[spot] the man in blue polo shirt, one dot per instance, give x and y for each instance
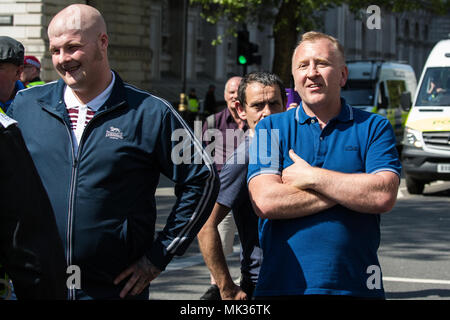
(319, 177)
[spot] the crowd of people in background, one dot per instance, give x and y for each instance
(81, 157)
(16, 71)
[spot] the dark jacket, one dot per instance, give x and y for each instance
(103, 198)
(31, 250)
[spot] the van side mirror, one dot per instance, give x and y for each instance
(405, 100)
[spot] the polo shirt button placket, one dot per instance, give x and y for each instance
(322, 150)
(316, 131)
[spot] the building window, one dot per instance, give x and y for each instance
(200, 47)
(166, 51)
(165, 25)
(230, 52)
(165, 48)
(406, 29)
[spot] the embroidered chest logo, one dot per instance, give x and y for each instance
(351, 148)
(114, 133)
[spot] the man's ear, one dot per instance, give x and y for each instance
(103, 41)
(344, 74)
(19, 72)
(240, 110)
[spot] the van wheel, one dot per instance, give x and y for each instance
(414, 186)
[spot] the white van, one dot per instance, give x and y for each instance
(426, 143)
(381, 87)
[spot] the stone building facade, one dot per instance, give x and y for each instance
(146, 40)
(127, 23)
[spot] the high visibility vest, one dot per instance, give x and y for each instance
(5, 288)
(35, 83)
(192, 105)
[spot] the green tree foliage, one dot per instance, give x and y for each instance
(289, 18)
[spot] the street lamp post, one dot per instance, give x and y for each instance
(182, 106)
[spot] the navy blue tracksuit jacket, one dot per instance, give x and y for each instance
(103, 197)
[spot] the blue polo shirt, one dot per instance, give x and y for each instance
(329, 252)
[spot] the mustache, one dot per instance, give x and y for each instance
(69, 66)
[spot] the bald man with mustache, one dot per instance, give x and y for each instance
(99, 146)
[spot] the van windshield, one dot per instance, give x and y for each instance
(358, 93)
(435, 88)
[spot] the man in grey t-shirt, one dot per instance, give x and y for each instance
(260, 94)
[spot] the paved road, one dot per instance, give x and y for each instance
(415, 245)
(414, 251)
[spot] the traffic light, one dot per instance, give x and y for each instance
(246, 50)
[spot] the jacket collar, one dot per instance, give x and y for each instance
(53, 101)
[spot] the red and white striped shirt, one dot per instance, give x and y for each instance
(73, 115)
(80, 114)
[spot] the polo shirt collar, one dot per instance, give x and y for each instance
(300, 114)
(345, 115)
(96, 103)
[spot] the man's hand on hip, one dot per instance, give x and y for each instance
(142, 273)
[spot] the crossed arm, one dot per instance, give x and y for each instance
(303, 190)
